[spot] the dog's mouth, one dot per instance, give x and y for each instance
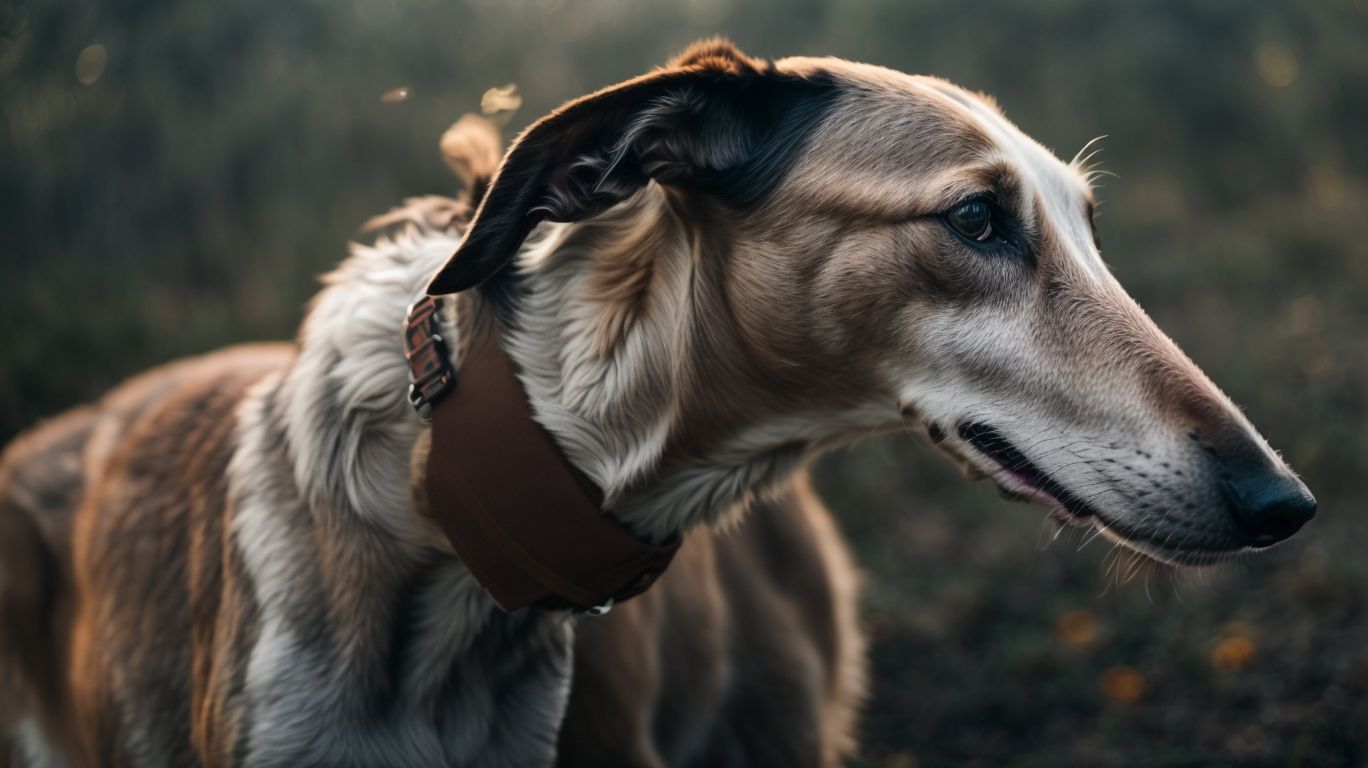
(1020, 478)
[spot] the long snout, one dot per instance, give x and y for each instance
(1264, 499)
(1181, 471)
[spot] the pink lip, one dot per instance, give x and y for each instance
(1017, 484)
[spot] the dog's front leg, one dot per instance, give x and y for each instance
(512, 694)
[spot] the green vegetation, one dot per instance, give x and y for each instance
(173, 175)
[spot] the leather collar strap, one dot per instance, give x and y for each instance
(528, 525)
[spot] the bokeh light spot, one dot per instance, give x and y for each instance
(1122, 684)
(1317, 361)
(1076, 628)
(90, 64)
(1305, 316)
(1232, 654)
(1328, 187)
(900, 760)
(1276, 64)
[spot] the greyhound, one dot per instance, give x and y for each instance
(705, 276)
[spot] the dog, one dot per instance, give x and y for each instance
(705, 276)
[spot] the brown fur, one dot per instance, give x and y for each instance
(44, 475)
(684, 675)
(745, 653)
(40, 485)
(166, 476)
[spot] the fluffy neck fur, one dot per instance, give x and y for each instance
(396, 656)
(628, 351)
(632, 361)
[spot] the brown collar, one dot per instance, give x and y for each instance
(529, 526)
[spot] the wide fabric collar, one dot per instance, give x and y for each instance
(529, 526)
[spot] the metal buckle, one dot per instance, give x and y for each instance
(601, 609)
(420, 404)
(424, 329)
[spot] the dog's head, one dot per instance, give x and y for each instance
(883, 249)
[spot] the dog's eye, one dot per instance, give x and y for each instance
(973, 220)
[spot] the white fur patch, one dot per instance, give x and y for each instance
(33, 748)
(351, 429)
(332, 438)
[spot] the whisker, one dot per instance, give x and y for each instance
(1094, 533)
(1085, 147)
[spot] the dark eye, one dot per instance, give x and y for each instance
(973, 220)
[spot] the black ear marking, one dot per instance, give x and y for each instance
(715, 121)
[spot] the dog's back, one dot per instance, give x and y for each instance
(44, 474)
(40, 486)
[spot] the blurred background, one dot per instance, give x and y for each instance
(173, 176)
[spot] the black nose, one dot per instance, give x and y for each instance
(1270, 503)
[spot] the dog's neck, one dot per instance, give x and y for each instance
(631, 353)
(634, 361)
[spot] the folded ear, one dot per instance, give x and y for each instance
(714, 120)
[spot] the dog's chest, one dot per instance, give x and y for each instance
(463, 686)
